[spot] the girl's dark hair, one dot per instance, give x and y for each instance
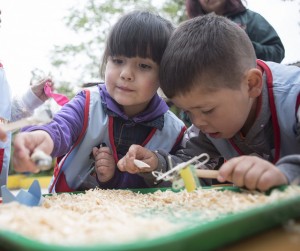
(232, 7)
(138, 33)
(202, 50)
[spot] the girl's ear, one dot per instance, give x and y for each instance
(255, 83)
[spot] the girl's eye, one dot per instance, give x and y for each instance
(145, 66)
(117, 60)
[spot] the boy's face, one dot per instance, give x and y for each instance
(219, 114)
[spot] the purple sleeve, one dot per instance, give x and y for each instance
(66, 125)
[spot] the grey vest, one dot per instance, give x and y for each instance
(73, 168)
(284, 94)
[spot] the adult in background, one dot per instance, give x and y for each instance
(266, 42)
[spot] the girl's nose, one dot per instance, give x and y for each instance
(126, 74)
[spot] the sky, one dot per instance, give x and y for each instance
(30, 29)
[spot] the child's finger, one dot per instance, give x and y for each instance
(21, 159)
(105, 149)
(127, 164)
(132, 151)
(122, 164)
(95, 151)
(226, 170)
(239, 172)
(103, 162)
(270, 178)
(3, 135)
(252, 177)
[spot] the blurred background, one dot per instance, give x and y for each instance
(65, 39)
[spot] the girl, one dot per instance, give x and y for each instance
(125, 110)
(264, 38)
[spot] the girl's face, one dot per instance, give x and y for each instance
(216, 6)
(131, 82)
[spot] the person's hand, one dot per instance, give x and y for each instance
(105, 165)
(3, 136)
(251, 172)
(38, 89)
(25, 143)
(140, 153)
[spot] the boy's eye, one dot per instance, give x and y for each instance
(208, 111)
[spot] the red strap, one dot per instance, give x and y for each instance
(149, 136)
(297, 104)
(180, 136)
(1, 158)
(62, 184)
(275, 123)
(112, 143)
(111, 138)
(1, 65)
(273, 112)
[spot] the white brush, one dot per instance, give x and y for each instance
(140, 164)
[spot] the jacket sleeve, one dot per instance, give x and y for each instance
(24, 105)
(290, 164)
(267, 44)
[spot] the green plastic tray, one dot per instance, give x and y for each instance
(209, 236)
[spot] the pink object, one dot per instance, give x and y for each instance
(59, 98)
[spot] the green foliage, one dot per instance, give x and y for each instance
(175, 10)
(91, 21)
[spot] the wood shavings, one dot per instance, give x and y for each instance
(122, 216)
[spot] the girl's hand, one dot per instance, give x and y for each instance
(105, 165)
(140, 153)
(251, 172)
(25, 143)
(3, 136)
(38, 89)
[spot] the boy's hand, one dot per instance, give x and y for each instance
(251, 172)
(25, 143)
(38, 89)
(105, 165)
(140, 153)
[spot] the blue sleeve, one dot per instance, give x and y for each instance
(5, 97)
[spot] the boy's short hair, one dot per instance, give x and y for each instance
(138, 33)
(203, 47)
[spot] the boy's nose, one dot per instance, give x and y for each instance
(198, 121)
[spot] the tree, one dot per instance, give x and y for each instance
(92, 21)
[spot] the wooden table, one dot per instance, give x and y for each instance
(276, 239)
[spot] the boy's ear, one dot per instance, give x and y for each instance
(255, 83)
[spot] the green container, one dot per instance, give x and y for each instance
(207, 236)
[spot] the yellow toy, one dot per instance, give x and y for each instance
(186, 174)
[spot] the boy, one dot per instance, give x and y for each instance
(243, 110)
